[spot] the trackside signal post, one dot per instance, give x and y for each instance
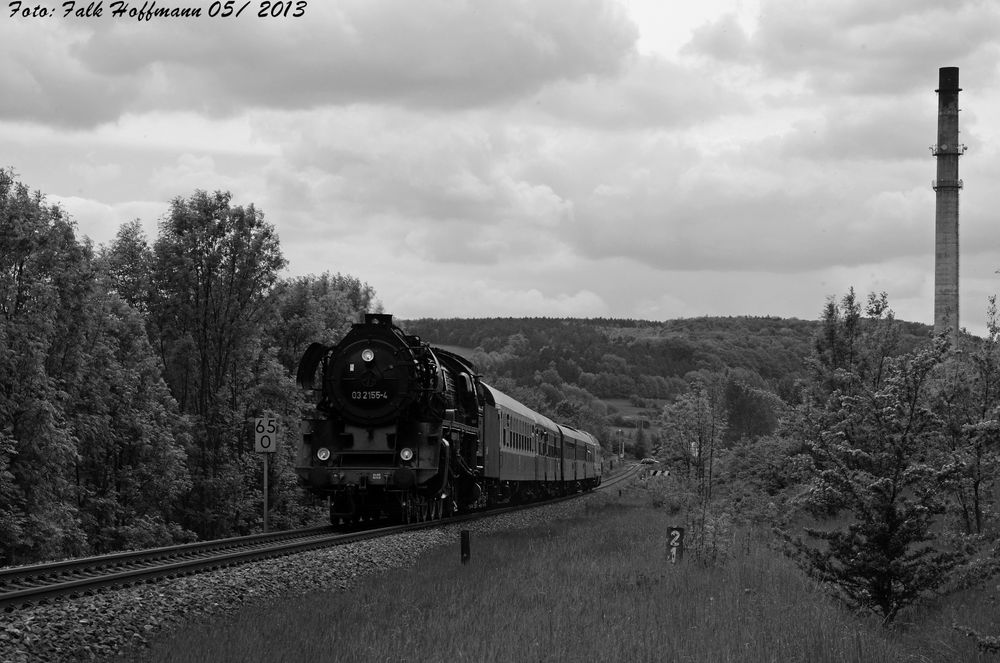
(265, 441)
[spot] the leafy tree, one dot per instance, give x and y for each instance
(967, 396)
(751, 407)
(127, 264)
(131, 467)
(851, 351)
(640, 448)
(313, 309)
(214, 265)
(44, 285)
(695, 424)
(872, 439)
(763, 475)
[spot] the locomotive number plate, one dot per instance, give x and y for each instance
(376, 476)
(370, 395)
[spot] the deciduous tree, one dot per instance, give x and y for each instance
(44, 282)
(873, 438)
(214, 264)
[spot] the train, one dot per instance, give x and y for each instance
(397, 429)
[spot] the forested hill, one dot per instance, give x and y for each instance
(605, 374)
(616, 358)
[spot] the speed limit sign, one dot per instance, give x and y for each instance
(265, 435)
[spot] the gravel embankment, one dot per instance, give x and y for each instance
(99, 627)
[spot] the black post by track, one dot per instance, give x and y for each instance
(466, 554)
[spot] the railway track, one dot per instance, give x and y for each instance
(25, 585)
(37, 583)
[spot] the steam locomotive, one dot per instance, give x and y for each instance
(407, 431)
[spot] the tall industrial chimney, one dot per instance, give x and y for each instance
(947, 150)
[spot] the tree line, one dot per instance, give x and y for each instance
(129, 372)
(607, 375)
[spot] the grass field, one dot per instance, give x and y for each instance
(594, 588)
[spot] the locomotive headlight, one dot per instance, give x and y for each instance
(406, 454)
(323, 453)
(367, 355)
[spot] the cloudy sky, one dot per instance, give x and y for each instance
(650, 159)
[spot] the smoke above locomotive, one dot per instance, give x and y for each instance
(403, 430)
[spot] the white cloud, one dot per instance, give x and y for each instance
(100, 221)
(482, 298)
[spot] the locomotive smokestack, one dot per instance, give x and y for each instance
(947, 150)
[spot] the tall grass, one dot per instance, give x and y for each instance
(594, 588)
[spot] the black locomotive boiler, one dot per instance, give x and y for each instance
(404, 430)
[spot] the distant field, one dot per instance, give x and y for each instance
(632, 414)
(627, 410)
(593, 588)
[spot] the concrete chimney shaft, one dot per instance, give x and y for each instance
(947, 150)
